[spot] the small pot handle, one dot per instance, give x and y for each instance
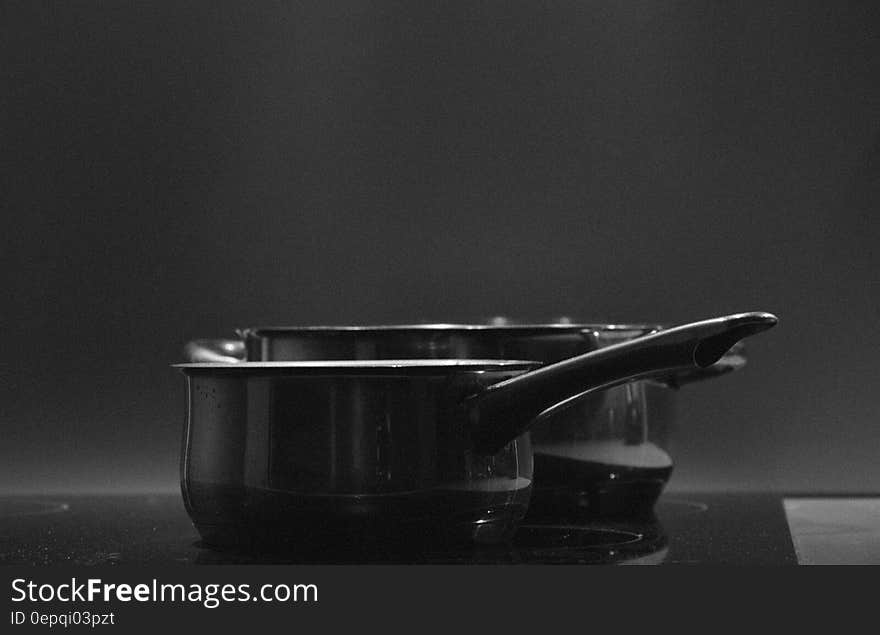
(215, 350)
(505, 410)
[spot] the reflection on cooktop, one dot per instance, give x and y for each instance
(89, 530)
(642, 543)
(599, 542)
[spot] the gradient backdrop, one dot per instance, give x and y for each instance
(171, 170)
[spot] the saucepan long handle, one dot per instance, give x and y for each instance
(505, 410)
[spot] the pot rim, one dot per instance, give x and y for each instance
(358, 367)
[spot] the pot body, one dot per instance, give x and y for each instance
(307, 456)
(605, 456)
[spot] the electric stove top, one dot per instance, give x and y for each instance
(694, 529)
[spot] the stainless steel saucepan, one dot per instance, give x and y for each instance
(356, 449)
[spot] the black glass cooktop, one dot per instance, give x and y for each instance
(154, 529)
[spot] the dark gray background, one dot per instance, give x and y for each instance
(171, 170)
